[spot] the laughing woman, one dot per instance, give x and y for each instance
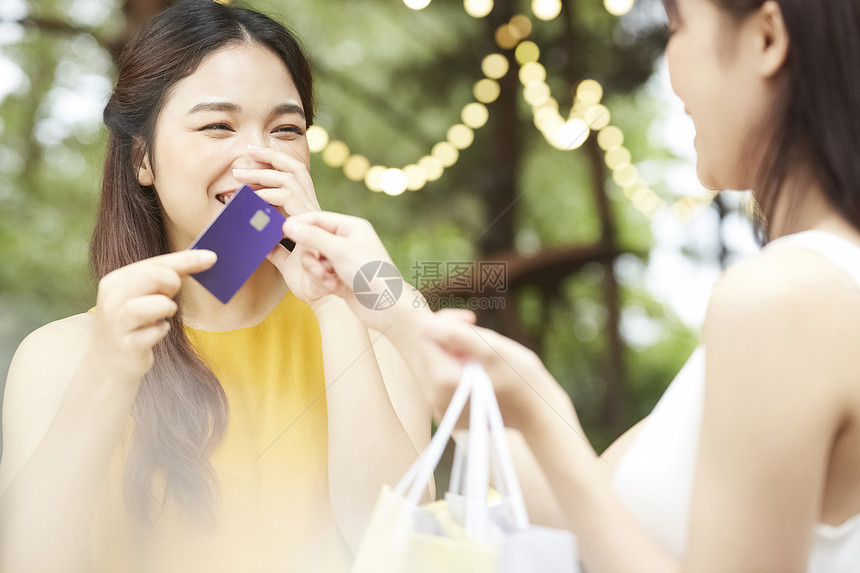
(164, 431)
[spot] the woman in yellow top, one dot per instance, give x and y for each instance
(166, 431)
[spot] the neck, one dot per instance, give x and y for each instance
(803, 206)
(248, 307)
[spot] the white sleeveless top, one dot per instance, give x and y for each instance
(654, 478)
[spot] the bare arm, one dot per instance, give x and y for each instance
(368, 445)
(409, 404)
(60, 418)
(69, 392)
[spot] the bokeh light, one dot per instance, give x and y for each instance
(432, 167)
(520, 26)
(610, 137)
(317, 138)
(546, 9)
(460, 136)
(475, 115)
(494, 66)
(373, 178)
(487, 90)
(532, 72)
(335, 154)
(356, 167)
(416, 177)
(446, 153)
(618, 7)
(393, 181)
(478, 8)
(527, 52)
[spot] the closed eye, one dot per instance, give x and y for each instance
(290, 129)
(216, 127)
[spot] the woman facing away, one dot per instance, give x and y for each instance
(750, 462)
(165, 431)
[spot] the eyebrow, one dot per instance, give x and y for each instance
(223, 106)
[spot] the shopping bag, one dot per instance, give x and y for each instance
(404, 538)
(465, 532)
(524, 547)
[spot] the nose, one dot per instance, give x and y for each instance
(242, 151)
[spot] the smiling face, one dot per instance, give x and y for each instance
(240, 95)
(717, 68)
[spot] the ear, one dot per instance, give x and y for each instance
(144, 173)
(772, 39)
(145, 176)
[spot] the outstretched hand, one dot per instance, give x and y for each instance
(339, 248)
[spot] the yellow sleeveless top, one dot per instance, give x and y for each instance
(274, 513)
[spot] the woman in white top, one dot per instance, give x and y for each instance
(751, 460)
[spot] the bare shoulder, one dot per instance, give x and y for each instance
(40, 373)
(51, 346)
(792, 311)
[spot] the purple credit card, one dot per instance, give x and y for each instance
(242, 234)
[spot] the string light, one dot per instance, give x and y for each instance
(587, 115)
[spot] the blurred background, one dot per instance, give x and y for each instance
(523, 158)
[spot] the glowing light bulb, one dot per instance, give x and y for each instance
(527, 52)
(487, 90)
(569, 135)
(460, 136)
(536, 94)
(417, 4)
(597, 117)
(494, 66)
(373, 178)
(393, 181)
(446, 153)
(432, 167)
(335, 154)
(618, 7)
(506, 37)
(478, 8)
(475, 115)
(546, 9)
(617, 156)
(610, 137)
(356, 167)
(521, 26)
(416, 177)
(589, 92)
(532, 72)
(317, 138)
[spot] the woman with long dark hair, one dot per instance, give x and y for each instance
(164, 430)
(751, 459)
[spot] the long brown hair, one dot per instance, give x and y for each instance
(180, 411)
(817, 117)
